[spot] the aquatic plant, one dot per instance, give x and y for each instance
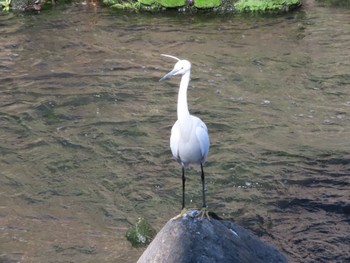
(126, 5)
(141, 233)
(5, 4)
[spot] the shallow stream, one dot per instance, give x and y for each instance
(85, 124)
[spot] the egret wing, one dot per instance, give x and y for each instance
(203, 139)
(174, 140)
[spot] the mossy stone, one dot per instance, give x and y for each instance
(207, 3)
(140, 234)
(172, 3)
(147, 2)
(109, 2)
(264, 5)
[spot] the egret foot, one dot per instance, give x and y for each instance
(182, 213)
(204, 212)
(193, 213)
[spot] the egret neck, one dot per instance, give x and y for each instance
(183, 114)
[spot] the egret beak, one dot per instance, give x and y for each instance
(169, 75)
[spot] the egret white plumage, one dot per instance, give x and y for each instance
(189, 140)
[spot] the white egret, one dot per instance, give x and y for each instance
(189, 140)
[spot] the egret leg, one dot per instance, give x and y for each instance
(183, 187)
(203, 187)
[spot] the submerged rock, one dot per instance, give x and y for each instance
(191, 239)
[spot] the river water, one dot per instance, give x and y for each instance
(85, 125)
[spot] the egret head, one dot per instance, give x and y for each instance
(180, 68)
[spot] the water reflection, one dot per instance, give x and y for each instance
(85, 127)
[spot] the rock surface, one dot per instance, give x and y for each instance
(191, 239)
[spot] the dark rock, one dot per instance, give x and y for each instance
(23, 5)
(189, 239)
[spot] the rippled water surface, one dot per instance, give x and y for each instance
(85, 126)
